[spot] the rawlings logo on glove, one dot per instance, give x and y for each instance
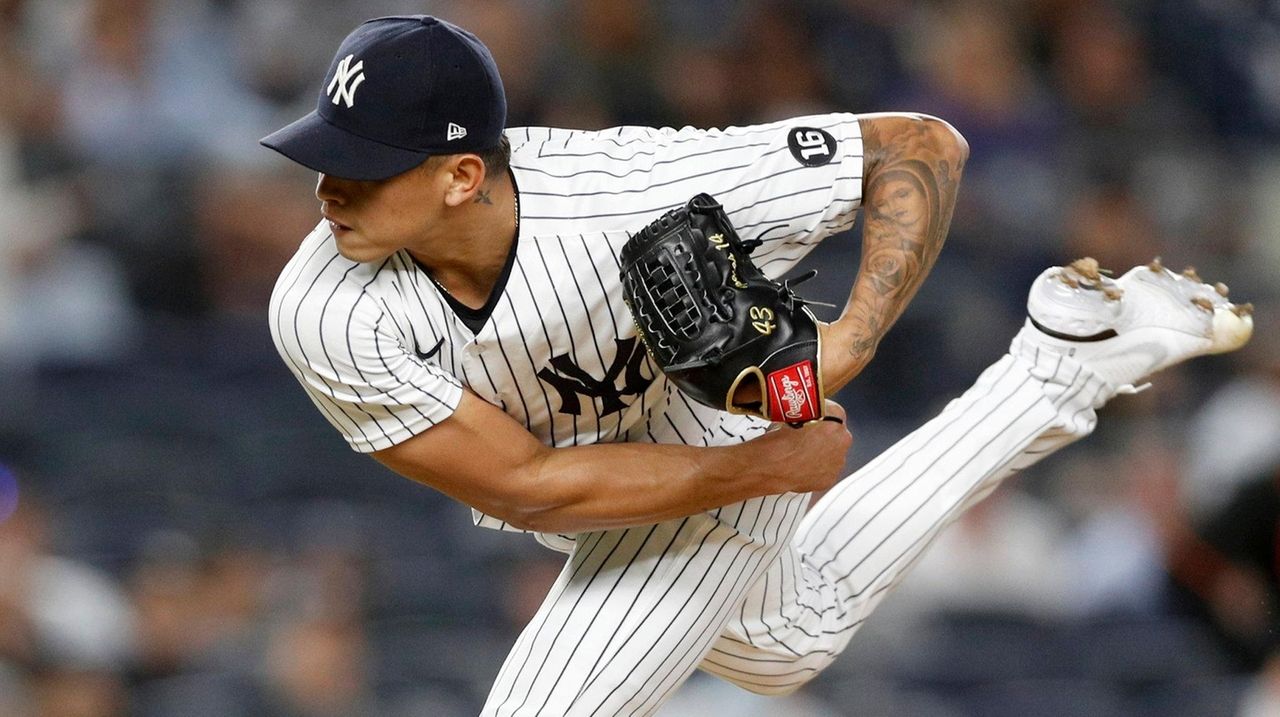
(713, 322)
(794, 386)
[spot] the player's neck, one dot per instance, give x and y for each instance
(469, 261)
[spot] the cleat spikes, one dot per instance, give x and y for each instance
(1087, 268)
(1190, 273)
(1128, 328)
(1222, 289)
(1084, 274)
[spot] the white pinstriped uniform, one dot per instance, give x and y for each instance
(758, 592)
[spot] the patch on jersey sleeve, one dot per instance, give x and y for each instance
(811, 146)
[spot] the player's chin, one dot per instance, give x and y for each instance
(352, 246)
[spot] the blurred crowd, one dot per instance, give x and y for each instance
(182, 534)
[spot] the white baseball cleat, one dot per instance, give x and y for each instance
(1129, 328)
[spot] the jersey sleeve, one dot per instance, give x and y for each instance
(804, 186)
(791, 183)
(345, 352)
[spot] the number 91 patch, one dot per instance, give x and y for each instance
(811, 146)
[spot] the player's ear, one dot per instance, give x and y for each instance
(466, 175)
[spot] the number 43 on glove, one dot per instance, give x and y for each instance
(715, 324)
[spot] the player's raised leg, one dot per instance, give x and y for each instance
(1087, 337)
(634, 611)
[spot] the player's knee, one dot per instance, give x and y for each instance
(778, 684)
(780, 690)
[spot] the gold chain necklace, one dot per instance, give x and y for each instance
(515, 201)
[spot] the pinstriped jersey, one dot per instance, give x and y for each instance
(384, 356)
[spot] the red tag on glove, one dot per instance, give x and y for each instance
(793, 394)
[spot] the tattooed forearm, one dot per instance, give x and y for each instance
(913, 168)
(863, 345)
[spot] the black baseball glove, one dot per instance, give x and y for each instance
(713, 322)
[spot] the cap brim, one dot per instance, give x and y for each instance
(316, 144)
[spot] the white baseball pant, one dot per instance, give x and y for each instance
(762, 594)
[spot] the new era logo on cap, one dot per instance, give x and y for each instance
(455, 131)
(346, 73)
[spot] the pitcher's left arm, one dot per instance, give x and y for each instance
(911, 174)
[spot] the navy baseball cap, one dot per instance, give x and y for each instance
(399, 90)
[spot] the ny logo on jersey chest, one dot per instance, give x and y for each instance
(569, 380)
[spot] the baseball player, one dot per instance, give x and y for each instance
(457, 314)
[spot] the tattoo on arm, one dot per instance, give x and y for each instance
(482, 197)
(913, 170)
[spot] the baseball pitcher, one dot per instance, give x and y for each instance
(580, 334)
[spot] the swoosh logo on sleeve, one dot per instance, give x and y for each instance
(434, 350)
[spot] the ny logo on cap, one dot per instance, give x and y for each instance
(455, 131)
(345, 73)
